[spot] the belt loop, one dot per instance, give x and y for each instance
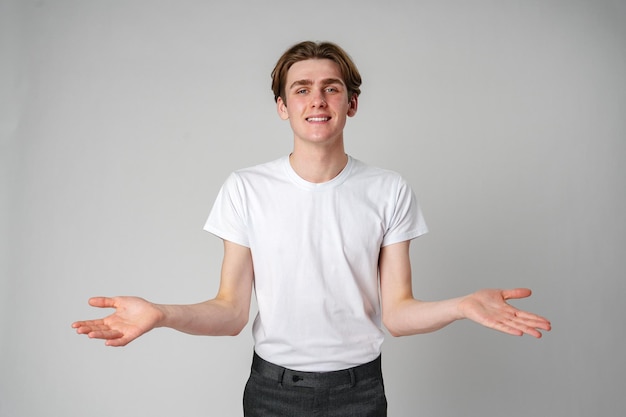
(281, 375)
(352, 378)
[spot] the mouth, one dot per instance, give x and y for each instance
(317, 119)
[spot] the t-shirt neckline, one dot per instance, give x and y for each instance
(313, 186)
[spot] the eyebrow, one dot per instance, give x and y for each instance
(325, 82)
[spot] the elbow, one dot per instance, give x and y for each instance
(392, 326)
(394, 333)
(238, 324)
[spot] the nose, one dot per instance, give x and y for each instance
(318, 100)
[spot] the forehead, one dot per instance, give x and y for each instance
(314, 70)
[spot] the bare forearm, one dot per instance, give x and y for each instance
(412, 316)
(487, 307)
(211, 318)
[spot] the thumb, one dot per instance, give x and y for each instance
(516, 293)
(102, 302)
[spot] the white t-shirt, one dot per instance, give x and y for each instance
(315, 251)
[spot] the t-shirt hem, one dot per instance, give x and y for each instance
(404, 237)
(227, 236)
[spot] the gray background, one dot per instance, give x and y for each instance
(119, 120)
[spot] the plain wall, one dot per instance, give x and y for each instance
(119, 120)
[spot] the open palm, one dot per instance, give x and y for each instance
(133, 317)
(489, 308)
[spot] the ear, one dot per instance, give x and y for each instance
(353, 105)
(281, 108)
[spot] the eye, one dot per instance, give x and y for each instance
(301, 91)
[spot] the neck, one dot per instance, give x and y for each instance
(320, 165)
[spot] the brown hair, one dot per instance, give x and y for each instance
(315, 50)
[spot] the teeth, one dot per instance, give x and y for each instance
(317, 119)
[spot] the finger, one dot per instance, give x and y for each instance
(536, 323)
(530, 316)
(516, 293)
(529, 330)
(517, 326)
(507, 328)
(518, 329)
(87, 323)
(533, 332)
(86, 329)
(107, 334)
(119, 342)
(531, 327)
(102, 302)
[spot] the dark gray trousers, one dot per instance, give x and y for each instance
(274, 391)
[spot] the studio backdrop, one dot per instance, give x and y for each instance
(119, 121)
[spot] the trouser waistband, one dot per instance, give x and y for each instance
(289, 377)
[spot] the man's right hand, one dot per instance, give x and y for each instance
(133, 317)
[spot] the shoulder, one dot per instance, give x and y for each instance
(271, 168)
(366, 172)
(253, 174)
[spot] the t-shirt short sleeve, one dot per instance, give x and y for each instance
(407, 221)
(227, 219)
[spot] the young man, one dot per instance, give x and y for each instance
(329, 236)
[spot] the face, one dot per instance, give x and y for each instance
(316, 102)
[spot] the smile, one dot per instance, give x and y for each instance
(318, 119)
